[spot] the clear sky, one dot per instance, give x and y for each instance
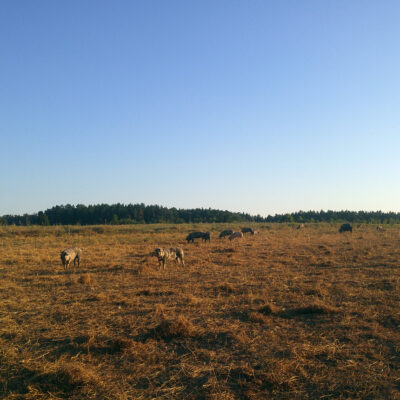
(257, 106)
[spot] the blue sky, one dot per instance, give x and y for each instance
(257, 106)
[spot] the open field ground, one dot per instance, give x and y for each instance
(285, 314)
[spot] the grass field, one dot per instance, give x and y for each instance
(285, 314)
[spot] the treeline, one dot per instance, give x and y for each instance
(369, 217)
(123, 214)
(141, 214)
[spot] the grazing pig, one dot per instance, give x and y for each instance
(346, 228)
(235, 235)
(198, 235)
(174, 253)
(69, 255)
(247, 230)
(225, 233)
(206, 237)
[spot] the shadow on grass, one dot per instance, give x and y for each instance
(81, 345)
(63, 381)
(77, 271)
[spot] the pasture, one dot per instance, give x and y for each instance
(284, 314)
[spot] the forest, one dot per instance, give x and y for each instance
(118, 214)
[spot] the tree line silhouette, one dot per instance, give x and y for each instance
(141, 214)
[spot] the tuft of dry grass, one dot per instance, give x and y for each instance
(226, 288)
(169, 329)
(98, 297)
(258, 317)
(85, 279)
(127, 345)
(268, 309)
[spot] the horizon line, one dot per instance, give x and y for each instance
(202, 208)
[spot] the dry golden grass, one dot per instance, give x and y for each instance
(285, 314)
